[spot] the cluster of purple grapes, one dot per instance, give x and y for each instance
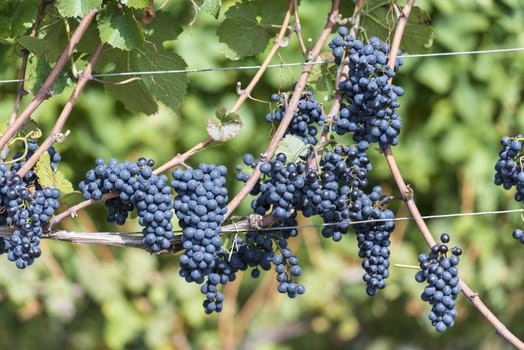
(443, 284)
(200, 205)
(304, 122)
(373, 225)
(137, 187)
(509, 171)
(371, 101)
(509, 168)
(334, 192)
(27, 209)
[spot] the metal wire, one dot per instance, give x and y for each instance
(231, 227)
(278, 65)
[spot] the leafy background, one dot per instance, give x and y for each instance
(456, 108)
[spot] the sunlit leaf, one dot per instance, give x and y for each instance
(119, 28)
(225, 126)
(49, 178)
(77, 8)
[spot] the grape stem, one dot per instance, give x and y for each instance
(85, 76)
(23, 66)
(406, 193)
(45, 91)
(243, 96)
(290, 110)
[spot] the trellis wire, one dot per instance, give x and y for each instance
(279, 65)
(231, 228)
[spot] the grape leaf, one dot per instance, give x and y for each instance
(77, 8)
(16, 17)
(380, 19)
(225, 126)
(169, 89)
(29, 126)
(137, 4)
(39, 69)
(70, 199)
(210, 6)
(119, 28)
(164, 27)
(249, 26)
(418, 34)
(34, 45)
(142, 96)
(135, 96)
(292, 146)
(323, 75)
(49, 178)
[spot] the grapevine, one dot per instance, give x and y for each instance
(318, 166)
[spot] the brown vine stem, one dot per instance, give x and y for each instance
(407, 194)
(292, 105)
(85, 76)
(180, 159)
(297, 28)
(23, 66)
(263, 67)
(44, 91)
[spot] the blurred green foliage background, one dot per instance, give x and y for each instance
(455, 110)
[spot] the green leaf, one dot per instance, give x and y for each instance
(249, 26)
(380, 18)
(211, 6)
(323, 75)
(71, 198)
(39, 69)
(137, 4)
(418, 34)
(162, 28)
(292, 146)
(169, 89)
(225, 126)
(135, 96)
(142, 96)
(77, 8)
(16, 17)
(119, 28)
(49, 178)
(28, 127)
(34, 45)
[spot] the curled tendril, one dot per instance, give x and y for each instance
(31, 135)
(34, 134)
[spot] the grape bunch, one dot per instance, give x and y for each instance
(27, 210)
(137, 188)
(305, 120)
(200, 205)
(373, 236)
(509, 168)
(333, 190)
(370, 100)
(261, 249)
(343, 172)
(439, 270)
